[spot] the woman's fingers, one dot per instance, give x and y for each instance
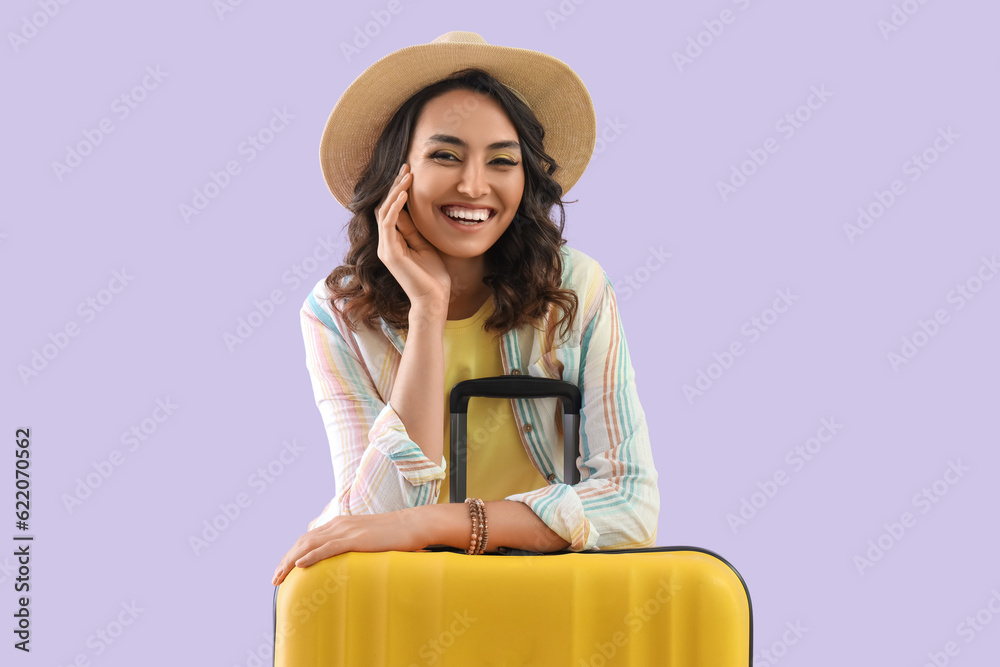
(304, 554)
(404, 251)
(382, 212)
(286, 565)
(409, 232)
(305, 544)
(326, 550)
(391, 246)
(371, 532)
(328, 540)
(403, 222)
(399, 185)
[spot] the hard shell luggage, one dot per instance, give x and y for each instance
(670, 606)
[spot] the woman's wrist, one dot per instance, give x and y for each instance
(428, 314)
(447, 524)
(512, 524)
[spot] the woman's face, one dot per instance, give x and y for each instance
(466, 162)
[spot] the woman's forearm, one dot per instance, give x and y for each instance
(418, 392)
(511, 524)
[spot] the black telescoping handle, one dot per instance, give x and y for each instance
(511, 386)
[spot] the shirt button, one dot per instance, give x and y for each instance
(527, 428)
(551, 477)
(516, 371)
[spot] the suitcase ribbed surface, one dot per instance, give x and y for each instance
(675, 608)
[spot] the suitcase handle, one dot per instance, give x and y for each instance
(511, 386)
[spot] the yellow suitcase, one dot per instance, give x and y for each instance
(676, 607)
(670, 606)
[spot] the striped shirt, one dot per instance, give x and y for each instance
(377, 468)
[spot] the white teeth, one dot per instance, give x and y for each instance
(462, 214)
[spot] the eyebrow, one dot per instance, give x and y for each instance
(449, 139)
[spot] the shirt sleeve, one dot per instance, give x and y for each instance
(377, 467)
(616, 505)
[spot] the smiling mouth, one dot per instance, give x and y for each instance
(473, 219)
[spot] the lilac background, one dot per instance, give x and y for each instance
(671, 134)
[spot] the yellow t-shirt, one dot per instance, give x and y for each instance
(498, 465)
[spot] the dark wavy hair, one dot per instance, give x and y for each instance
(523, 267)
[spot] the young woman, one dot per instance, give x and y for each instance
(451, 156)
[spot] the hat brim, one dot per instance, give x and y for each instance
(553, 91)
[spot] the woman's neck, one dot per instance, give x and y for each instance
(468, 293)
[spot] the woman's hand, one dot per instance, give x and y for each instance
(511, 524)
(410, 258)
(391, 531)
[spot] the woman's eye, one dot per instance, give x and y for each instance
(443, 155)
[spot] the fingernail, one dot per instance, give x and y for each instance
(402, 167)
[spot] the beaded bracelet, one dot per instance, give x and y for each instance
(480, 530)
(484, 528)
(477, 522)
(474, 515)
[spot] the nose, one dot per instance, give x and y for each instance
(473, 180)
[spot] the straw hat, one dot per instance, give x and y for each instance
(553, 91)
